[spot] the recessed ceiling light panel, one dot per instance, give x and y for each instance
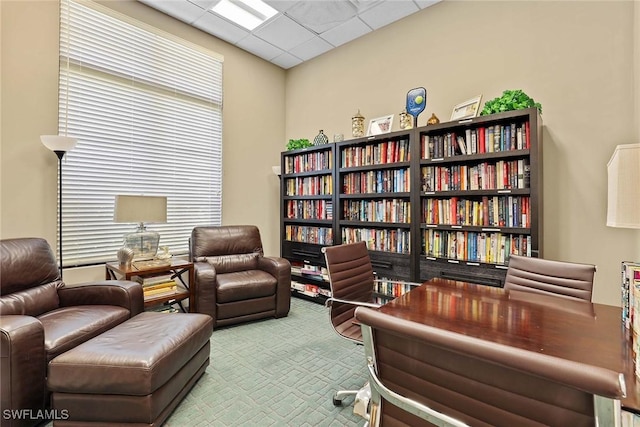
(246, 13)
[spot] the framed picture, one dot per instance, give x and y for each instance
(380, 125)
(467, 109)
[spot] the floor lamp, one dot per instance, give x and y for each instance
(59, 145)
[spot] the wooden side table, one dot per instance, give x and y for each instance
(175, 266)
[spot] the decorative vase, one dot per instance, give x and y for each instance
(433, 120)
(357, 125)
(125, 255)
(320, 139)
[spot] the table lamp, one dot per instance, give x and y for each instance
(141, 210)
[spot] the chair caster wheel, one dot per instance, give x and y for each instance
(337, 402)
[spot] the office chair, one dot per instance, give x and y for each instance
(351, 280)
(421, 375)
(558, 278)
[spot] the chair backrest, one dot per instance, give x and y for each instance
(564, 279)
(351, 278)
(478, 382)
(228, 248)
(29, 277)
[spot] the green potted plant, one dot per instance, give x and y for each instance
(509, 101)
(295, 144)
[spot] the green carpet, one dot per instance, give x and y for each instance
(276, 372)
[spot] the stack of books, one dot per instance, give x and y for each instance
(631, 306)
(157, 285)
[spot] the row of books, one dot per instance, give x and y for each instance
(157, 285)
(309, 209)
(500, 175)
(309, 234)
(387, 240)
(309, 186)
(484, 247)
(308, 162)
(630, 291)
(310, 289)
(380, 181)
(495, 211)
(391, 287)
(389, 151)
(489, 139)
(315, 272)
(386, 210)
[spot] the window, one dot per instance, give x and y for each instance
(146, 109)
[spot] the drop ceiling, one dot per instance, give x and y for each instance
(301, 30)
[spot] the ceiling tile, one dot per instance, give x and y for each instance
(205, 4)
(259, 47)
(180, 9)
(219, 27)
(280, 5)
(387, 12)
(314, 47)
(362, 5)
(422, 4)
(302, 30)
(286, 60)
(320, 16)
(346, 32)
(283, 32)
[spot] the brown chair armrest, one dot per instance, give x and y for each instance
(279, 268)
(122, 293)
(23, 367)
(205, 288)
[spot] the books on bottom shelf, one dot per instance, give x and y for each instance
(310, 289)
(153, 279)
(169, 287)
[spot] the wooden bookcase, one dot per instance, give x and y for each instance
(307, 212)
(480, 195)
(451, 200)
(374, 199)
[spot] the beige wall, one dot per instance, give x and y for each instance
(575, 58)
(254, 117)
(636, 67)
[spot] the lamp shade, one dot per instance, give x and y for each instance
(140, 209)
(623, 171)
(58, 142)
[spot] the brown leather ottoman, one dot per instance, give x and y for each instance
(134, 374)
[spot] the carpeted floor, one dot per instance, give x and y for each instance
(276, 372)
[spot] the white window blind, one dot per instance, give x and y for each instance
(146, 109)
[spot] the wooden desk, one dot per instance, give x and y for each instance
(579, 331)
(175, 266)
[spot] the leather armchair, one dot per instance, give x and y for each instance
(41, 317)
(234, 281)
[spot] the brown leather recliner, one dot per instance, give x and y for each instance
(41, 317)
(234, 281)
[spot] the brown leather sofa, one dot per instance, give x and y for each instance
(234, 281)
(41, 318)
